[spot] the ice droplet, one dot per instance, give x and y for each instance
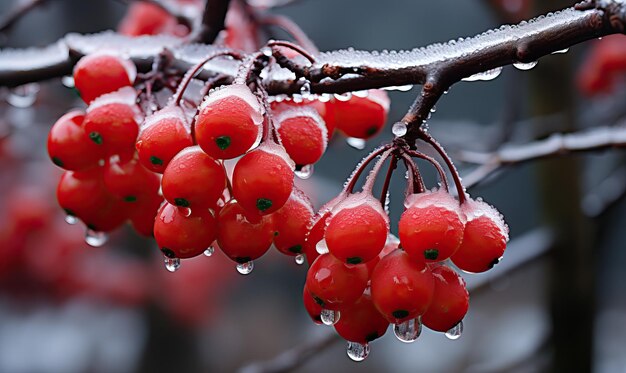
(245, 268)
(356, 143)
(267, 51)
(95, 239)
(23, 96)
(408, 331)
(343, 96)
(561, 51)
(172, 264)
(321, 247)
(305, 90)
(455, 332)
(209, 251)
(525, 66)
(71, 219)
(399, 129)
(299, 259)
(357, 351)
(329, 317)
(304, 172)
(68, 81)
(484, 76)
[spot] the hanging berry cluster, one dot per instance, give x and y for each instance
(161, 164)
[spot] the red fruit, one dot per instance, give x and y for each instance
(603, 66)
(193, 179)
(108, 218)
(129, 180)
(150, 19)
(111, 122)
(326, 110)
(82, 193)
(484, 238)
(292, 221)
(241, 239)
(361, 322)
(391, 245)
(431, 228)
(229, 122)
(184, 236)
(312, 308)
(263, 179)
(357, 230)
(98, 73)
(335, 285)
(362, 117)
(450, 301)
(402, 289)
(303, 134)
(69, 146)
(317, 228)
(163, 135)
(143, 216)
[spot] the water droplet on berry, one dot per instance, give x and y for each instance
(71, 219)
(23, 96)
(329, 317)
(299, 259)
(525, 66)
(399, 129)
(321, 247)
(455, 332)
(245, 268)
(356, 143)
(172, 264)
(357, 351)
(343, 96)
(267, 51)
(408, 331)
(95, 239)
(304, 172)
(68, 81)
(209, 251)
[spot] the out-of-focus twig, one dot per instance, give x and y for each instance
(20, 8)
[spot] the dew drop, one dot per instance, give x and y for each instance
(23, 96)
(304, 172)
(401, 88)
(561, 51)
(455, 332)
(484, 76)
(209, 251)
(399, 129)
(357, 351)
(343, 96)
(408, 331)
(321, 247)
(71, 219)
(245, 268)
(305, 90)
(356, 143)
(361, 94)
(329, 317)
(525, 66)
(299, 259)
(68, 81)
(95, 239)
(172, 264)
(267, 51)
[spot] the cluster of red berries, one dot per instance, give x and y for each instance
(164, 171)
(366, 278)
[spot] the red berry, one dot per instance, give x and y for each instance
(163, 135)
(484, 238)
(129, 180)
(450, 301)
(81, 193)
(150, 19)
(335, 285)
(229, 122)
(362, 117)
(184, 236)
(193, 179)
(326, 110)
(98, 73)
(241, 239)
(312, 308)
(391, 245)
(143, 216)
(69, 146)
(263, 179)
(431, 228)
(303, 134)
(111, 122)
(357, 230)
(317, 228)
(402, 289)
(292, 221)
(361, 322)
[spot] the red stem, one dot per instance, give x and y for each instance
(455, 174)
(361, 167)
(392, 166)
(431, 160)
(417, 186)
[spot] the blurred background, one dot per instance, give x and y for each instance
(556, 303)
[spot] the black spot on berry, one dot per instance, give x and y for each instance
(96, 137)
(354, 260)
(130, 198)
(318, 301)
(156, 161)
(431, 254)
(92, 227)
(181, 202)
(57, 161)
(69, 212)
(493, 263)
(372, 336)
(223, 142)
(242, 259)
(400, 314)
(297, 249)
(371, 131)
(263, 204)
(168, 253)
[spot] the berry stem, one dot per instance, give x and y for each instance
(415, 183)
(371, 177)
(361, 167)
(425, 136)
(393, 164)
(433, 161)
(292, 46)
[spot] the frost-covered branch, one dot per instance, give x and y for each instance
(212, 20)
(558, 144)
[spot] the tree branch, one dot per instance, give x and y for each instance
(213, 20)
(556, 145)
